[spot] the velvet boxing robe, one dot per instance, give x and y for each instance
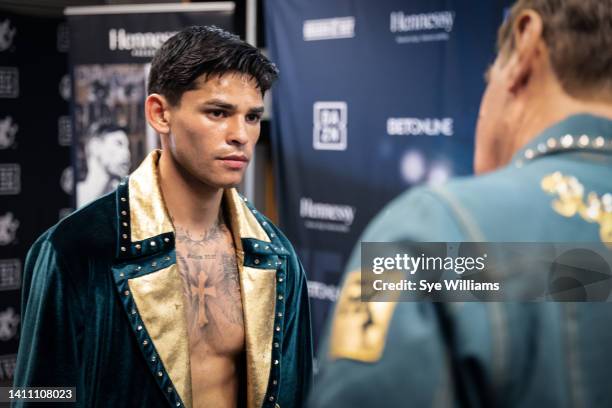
(103, 310)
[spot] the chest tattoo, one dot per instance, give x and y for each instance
(207, 265)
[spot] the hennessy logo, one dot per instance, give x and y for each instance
(139, 44)
(9, 321)
(324, 211)
(6, 35)
(8, 130)
(8, 228)
(441, 20)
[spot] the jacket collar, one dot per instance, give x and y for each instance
(583, 132)
(144, 227)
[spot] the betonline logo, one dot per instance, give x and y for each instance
(329, 28)
(441, 20)
(326, 212)
(418, 126)
(140, 44)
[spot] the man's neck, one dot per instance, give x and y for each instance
(192, 205)
(549, 109)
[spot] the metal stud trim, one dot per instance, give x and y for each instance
(565, 142)
(143, 340)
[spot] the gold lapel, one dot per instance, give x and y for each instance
(148, 215)
(258, 288)
(159, 295)
(160, 301)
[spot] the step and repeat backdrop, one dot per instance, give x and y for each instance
(373, 99)
(35, 172)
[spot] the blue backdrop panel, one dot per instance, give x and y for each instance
(373, 98)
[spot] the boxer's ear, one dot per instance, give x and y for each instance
(157, 111)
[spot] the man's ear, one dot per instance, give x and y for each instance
(528, 49)
(157, 111)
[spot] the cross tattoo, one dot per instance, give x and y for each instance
(201, 291)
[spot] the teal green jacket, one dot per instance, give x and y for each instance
(103, 311)
(485, 354)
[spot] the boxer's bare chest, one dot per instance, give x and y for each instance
(211, 287)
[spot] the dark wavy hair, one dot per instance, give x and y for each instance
(209, 51)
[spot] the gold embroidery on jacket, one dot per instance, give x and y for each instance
(570, 201)
(359, 329)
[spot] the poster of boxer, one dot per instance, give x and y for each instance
(110, 51)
